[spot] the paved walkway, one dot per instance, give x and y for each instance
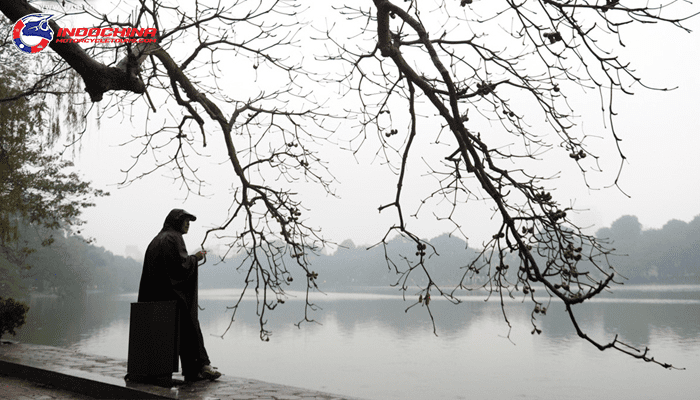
(20, 389)
(29, 371)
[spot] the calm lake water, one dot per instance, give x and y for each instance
(368, 347)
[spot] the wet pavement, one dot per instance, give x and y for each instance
(37, 372)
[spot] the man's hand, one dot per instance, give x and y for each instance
(200, 255)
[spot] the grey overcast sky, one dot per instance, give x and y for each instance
(661, 140)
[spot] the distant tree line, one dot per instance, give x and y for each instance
(68, 267)
(354, 267)
(668, 255)
(71, 265)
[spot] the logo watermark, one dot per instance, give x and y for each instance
(106, 35)
(32, 34)
(61, 7)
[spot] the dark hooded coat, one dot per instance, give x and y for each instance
(170, 273)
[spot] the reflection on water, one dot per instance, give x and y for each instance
(367, 346)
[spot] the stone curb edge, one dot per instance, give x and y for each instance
(74, 383)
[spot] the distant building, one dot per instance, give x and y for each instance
(133, 252)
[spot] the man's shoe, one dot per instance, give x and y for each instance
(209, 372)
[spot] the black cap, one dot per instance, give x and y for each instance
(176, 217)
(186, 215)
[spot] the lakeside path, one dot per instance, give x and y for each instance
(44, 372)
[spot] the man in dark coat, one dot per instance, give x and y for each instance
(169, 273)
